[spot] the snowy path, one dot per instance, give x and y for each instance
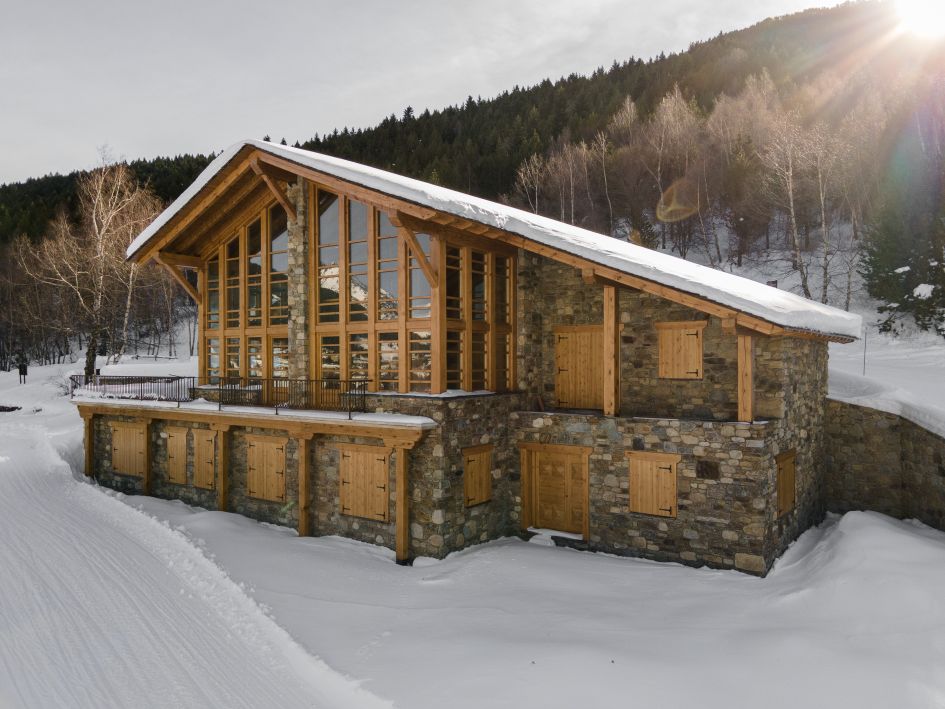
(110, 608)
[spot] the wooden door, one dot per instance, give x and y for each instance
(579, 367)
(555, 487)
(363, 475)
(129, 453)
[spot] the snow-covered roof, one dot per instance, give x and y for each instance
(771, 304)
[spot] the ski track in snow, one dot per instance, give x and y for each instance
(108, 607)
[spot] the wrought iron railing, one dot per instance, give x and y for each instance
(348, 395)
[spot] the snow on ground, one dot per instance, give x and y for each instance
(101, 606)
(904, 376)
(105, 605)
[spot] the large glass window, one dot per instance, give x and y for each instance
(478, 289)
(213, 360)
(254, 275)
(232, 361)
(329, 348)
(454, 359)
(503, 291)
(213, 293)
(278, 266)
(420, 293)
(421, 361)
(388, 361)
(358, 285)
(280, 358)
(358, 354)
(478, 359)
(254, 357)
(454, 283)
(328, 276)
(387, 268)
(233, 282)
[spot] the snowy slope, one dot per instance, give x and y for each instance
(101, 606)
(771, 304)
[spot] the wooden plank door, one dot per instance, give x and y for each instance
(274, 476)
(556, 487)
(205, 453)
(579, 367)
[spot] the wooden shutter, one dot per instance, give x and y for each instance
(363, 476)
(265, 467)
(205, 455)
(477, 474)
(653, 483)
(680, 349)
(177, 454)
(129, 452)
(787, 490)
(274, 473)
(579, 367)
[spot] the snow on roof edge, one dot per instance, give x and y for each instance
(771, 304)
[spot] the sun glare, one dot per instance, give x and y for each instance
(922, 17)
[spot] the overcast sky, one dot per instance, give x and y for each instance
(183, 76)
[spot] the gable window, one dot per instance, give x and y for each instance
(233, 283)
(420, 293)
(387, 268)
(680, 349)
(254, 275)
(357, 262)
(388, 361)
(213, 293)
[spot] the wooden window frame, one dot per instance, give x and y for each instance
(477, 474)
(668, 461)
(672, 335)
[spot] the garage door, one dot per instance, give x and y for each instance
(554, 487)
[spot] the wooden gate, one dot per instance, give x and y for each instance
(554, 487)
(579, 367)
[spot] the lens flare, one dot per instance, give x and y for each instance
(925, 18)
(679, 201)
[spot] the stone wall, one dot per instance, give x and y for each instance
(552, 294)
(299, 282)
(440, 522)
(722, 485)
(883, 462)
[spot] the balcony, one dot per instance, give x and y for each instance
(347, 396)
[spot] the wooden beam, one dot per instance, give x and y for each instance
(268, 176)
(611, 353)
(392, 435)
(178, 276)
(421, 257)
(745, 378)
(305, 507)
(146, 481)
(222, 222)
(180, 260)
(223, 463)
(375, 198)
(401, 507)
(89, 421)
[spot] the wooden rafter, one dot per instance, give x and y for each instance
(178, 276)
(271, 177)
(406, 227)
(351, 189)
(181, 260)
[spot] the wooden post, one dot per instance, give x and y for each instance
(401, 507)
(146, 482)
(89, 420)
(745, 378)
(611, 353)
(305, 527)
(223, 463)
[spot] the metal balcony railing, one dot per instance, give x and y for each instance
(346, 395)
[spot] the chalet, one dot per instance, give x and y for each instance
(399, 363)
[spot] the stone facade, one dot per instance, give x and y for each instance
(883, 462)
